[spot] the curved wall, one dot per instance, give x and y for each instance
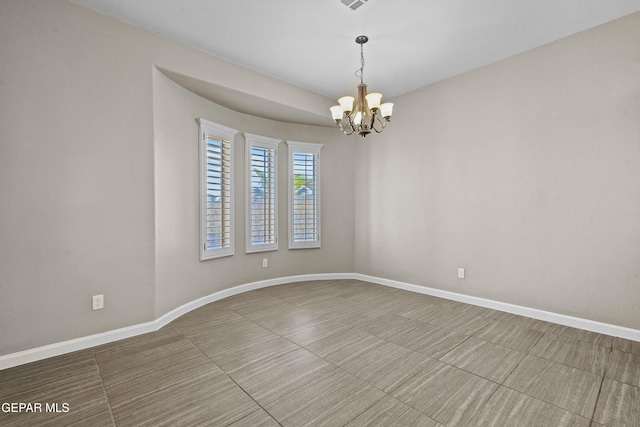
(180, 276)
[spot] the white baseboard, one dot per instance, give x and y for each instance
(575, 322)
(56, 349)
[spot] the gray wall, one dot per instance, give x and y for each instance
(525, 172)
(76, 175)
(98, 176)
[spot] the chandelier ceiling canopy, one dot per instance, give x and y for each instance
(367, 114)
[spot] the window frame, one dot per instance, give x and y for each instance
(208, 129)
(305, 148)
(268, 143)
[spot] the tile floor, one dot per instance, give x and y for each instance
(339, 353)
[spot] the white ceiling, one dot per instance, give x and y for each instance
(412, 43)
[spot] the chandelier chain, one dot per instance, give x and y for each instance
(360, 71)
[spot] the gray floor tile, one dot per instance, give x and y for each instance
(391, 304)
(618, 404)
(337, 288)
(462, 323)
(386, 366)
(427, 313)
(454, 305)
(509, 408)
(485, 359)
(365, 296)
(249, 301)
(445, 393)
(628, 346)
(253, 352)
(147, 361)
(308, 334)
(356, 316)
(478, 311)
(327, 304)
(624, 367)
(272, 311)
(522, 321)
(389, 325)
(72, 379)
(204, 318)
(582, 335)
(258, 418)
(345, 346)
(229, 336)
(530, 323)
(78, 415)
(430, 340)
(143, 338)
(291, 290)
(185, 401)
(560, 385)
(509, 335)
(579, 354)
(301, 299)
(76, 363)
(291, 319)
(390, 412)
(330, 399)
(267, 381)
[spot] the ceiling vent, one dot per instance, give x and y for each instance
(353, 4)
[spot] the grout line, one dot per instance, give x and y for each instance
(595, 405)
(231, 379)
(604, 375)
(104, 390)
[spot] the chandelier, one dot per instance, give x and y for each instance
(367, 114)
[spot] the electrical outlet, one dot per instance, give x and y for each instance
(461, 273)
(98, 302)
(265, 263)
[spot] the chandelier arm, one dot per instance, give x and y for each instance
(345, 129)
(351, 125)
(376, 118)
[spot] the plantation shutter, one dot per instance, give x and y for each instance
(304, 195)
(216, 189)
(262, 191)
(305, 202)
(218, 193)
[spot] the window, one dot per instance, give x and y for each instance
(304, 195)
(216, 189)
(262, 193)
